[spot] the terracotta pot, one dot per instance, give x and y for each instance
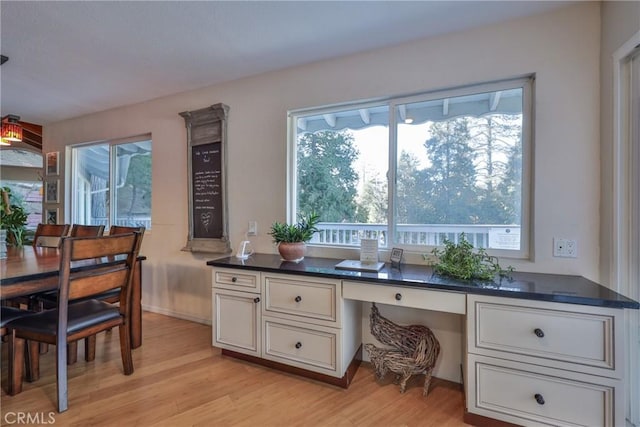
(292, 251)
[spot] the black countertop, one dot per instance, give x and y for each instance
(532, 286)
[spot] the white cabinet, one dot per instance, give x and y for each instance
(288, 320)
(307, 323)
(534, 362)
(236, 317)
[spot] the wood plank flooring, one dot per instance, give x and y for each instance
(180, 380)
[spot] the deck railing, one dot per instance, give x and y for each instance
(481, 236)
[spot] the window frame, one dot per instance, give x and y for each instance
(526, 83)
(112, 144)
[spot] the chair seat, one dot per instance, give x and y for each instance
(9, 314)
(81, 316)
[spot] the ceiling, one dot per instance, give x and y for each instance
(67, 59)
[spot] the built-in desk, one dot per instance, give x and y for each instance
(539, 348)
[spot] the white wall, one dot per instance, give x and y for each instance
(562, 48)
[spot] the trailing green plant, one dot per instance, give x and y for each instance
(301, 231)
(460, 261)
(13, 217)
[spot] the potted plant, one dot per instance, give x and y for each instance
(291, 238)
(13, 218)
(460, 261)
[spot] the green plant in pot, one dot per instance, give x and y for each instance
(291, 238)
(13, 218)
(461, 261)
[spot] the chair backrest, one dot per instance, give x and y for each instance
(114, 230)
(50, 235)
(78, 230)
(99, 264)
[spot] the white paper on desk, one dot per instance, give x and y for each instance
(368, 250)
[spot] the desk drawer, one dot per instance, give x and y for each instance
(524, 328)
(427, 299)
(541, 397)
(303, 346)
(303, 300)
(236, 280)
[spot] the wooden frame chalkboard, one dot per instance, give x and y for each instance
(206, 145)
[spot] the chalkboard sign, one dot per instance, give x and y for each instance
(206, 178)
(206, 140)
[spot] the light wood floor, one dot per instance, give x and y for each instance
(180, 380)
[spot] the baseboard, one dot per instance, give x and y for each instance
(178, 315)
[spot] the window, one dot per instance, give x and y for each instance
(21, 169)
(413, 171)
(111, 183)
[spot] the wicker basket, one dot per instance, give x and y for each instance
(414, 350)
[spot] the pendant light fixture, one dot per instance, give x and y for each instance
(11, 130)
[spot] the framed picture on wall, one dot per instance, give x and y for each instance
(51, 191)
(51, 216)
(53, 165)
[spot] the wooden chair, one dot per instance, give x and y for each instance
(49, 299)
(78, 230)
(71, 322)
(414, 350)
(54, 233)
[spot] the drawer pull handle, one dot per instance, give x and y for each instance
(539, 332)
(298, 344)
(256, 300)
(234, 279)
(398, 297)
(298, 298)
(539, 398)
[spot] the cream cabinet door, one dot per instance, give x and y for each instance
(236, 321)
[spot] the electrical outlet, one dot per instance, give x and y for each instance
(253, 228)
(565, 248)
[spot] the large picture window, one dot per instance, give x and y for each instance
(111, 183)
(413, 171)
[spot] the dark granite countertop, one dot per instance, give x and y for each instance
(532, 286)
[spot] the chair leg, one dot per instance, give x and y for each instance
(90, 348)
(403, 382)
(16, 364)
(72, 352)
(61, 376)
(125, 349)
(427, 382)
(33, 360)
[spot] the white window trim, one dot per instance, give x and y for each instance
(527, 83)
(624, 277)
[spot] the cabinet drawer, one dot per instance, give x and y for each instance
(537, 330)
(234, 279)
(303, 300)
(541, 397)
(450, 302)
(298, 345)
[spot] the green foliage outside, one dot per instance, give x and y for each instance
(135, 197)
(473, 176)
(13, 217)
(327, 181)
(460, 261)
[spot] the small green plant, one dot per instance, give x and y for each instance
(460, 261)
(13, 218)
(302, 231)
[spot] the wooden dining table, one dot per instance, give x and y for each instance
(29, 270)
